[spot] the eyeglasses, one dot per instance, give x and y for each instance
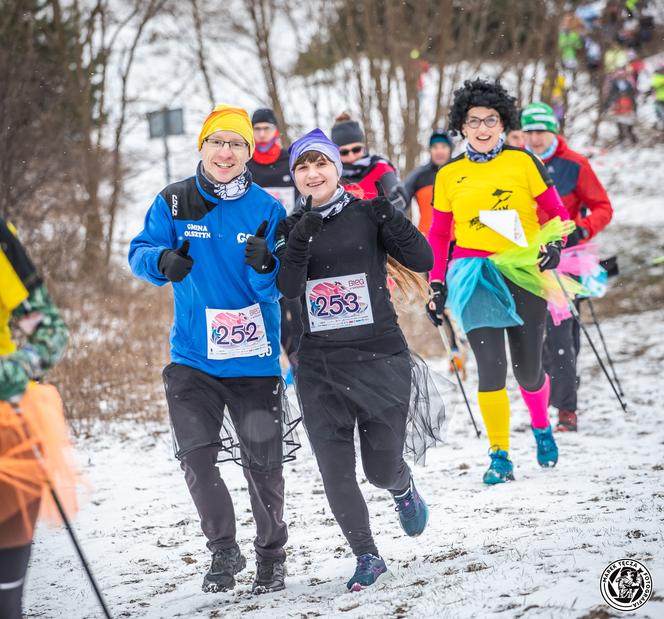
(235, 146)
(347, 151)
(474, 122)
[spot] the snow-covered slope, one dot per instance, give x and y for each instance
(533, 548)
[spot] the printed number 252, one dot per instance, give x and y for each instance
(238, 334)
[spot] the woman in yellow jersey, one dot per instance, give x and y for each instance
(496, 280)
(31, 419)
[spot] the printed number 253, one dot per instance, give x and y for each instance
(337, 304)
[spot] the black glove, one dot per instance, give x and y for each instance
(399, 198)
(382, 207)
(579, 234)
(550, 255)
(176, 264)
(309, 225)
(436, 303)
(256, 253)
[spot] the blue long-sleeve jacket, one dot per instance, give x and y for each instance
(220, 279)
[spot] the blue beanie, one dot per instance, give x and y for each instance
(315, 140)
(440, 135)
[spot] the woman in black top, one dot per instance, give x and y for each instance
(355, 366)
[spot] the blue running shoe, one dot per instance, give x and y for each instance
(413, 511)
(369, 568)
(500, 470)
(547, 450)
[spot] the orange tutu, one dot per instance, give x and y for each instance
(35, 453)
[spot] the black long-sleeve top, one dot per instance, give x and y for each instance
(352, 242)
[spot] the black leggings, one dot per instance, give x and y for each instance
(384, 468)
(196, 407)
(13, 565)
(330, 415)
(561, 349)
(525, 341)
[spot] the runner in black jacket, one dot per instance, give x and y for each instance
(269, 169)
(419, 183)
(355, 365)
(269, 163)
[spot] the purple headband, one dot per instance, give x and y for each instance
(318, 141)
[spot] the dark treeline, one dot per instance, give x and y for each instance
(66, 105)
(60, 154)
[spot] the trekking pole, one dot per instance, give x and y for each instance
(454, 344)
(448, 349)
(575, 314)
(68, 525)
(606, 350)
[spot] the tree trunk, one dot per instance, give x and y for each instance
(262, 15)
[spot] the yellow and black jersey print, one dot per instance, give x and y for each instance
(512, 180)
(18, 278)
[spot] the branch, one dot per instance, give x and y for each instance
(200, 51)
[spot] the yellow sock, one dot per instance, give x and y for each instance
(495, 407)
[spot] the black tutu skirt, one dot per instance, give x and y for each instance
(255, 447)
(339, 387)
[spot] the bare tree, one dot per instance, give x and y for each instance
(201, 54)
(263, 14)
(149, 9)
(99, 35)
(444, 41)
(550, 51)
(39, 163)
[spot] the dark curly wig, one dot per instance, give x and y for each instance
(482, 93)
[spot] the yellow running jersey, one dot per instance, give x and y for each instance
(510, 181)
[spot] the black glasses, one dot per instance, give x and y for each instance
(347, 151)
(474, 122)
(235, 146)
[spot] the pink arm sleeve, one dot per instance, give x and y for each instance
(439, 239)
(550, 203)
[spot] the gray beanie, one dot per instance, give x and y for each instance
(347, 132)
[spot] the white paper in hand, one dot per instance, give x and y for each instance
(507, 224)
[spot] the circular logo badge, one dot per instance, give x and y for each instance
(626, 584)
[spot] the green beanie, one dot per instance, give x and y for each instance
(539, 117)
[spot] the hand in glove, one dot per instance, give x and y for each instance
(383, 209)
(309, 225)
(549, 255)
(436, 304)
(256, 253)
(398, 198)
(579, 234)
(176, 264)
(13, 376)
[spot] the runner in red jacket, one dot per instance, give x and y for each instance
(582, 192)
(588, 205)
(362, 170)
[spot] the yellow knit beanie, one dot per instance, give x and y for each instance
(228, 118)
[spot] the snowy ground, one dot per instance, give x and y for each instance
(533, 548)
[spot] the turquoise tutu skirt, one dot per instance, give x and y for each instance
(478, 296)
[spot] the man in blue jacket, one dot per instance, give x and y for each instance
(210, 235)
